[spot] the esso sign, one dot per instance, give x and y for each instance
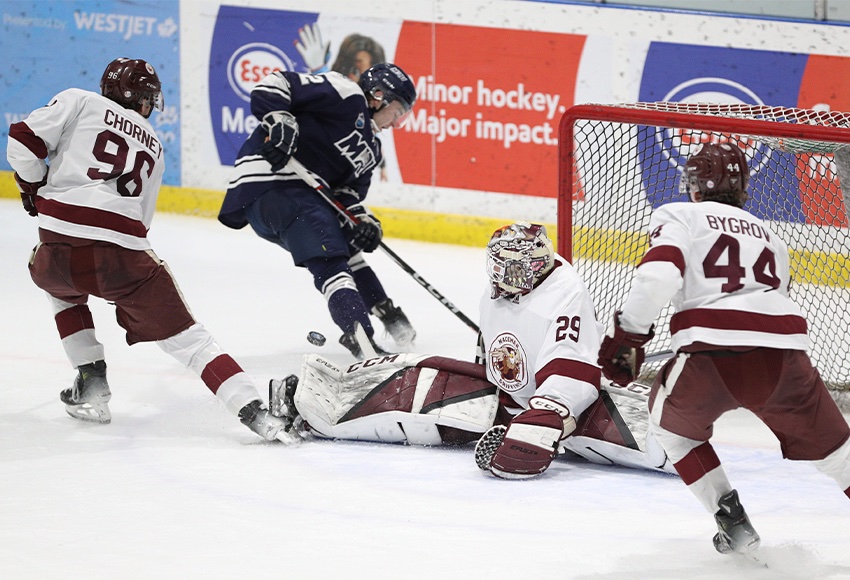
(709, 90)
(253, 62)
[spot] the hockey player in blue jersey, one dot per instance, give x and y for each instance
(329, 124)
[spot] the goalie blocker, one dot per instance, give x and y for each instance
(432, 400)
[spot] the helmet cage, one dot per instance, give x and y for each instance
(518, 257)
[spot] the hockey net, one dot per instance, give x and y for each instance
(618, 162)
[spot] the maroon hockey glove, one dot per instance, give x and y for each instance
(529, 445)
(622, 354)
(28, 192)
(367, 233)
(282, 140)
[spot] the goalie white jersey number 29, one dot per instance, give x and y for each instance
(544, 344)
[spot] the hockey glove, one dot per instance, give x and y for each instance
(621, 354)
(367, 232)
(282, 140)
(529, 443)
(28, 192)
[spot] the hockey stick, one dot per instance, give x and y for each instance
(302, 172)
(632, 390)
(636, 390)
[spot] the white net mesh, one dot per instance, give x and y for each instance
(620, 162)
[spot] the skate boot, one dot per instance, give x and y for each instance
(258, 419)
(360, 344)
(88, 397)
(395, 322)
(735, 533)
(282, 404)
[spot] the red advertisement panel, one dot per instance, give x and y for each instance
(488, 107)
(823, 87)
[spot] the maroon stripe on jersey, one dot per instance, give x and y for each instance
(738, 320)
(21, 133)
(219, 370)
(569, 368)
(73, 320)
(847, 492)
(89, 216)
(697, 463)
(670, 254)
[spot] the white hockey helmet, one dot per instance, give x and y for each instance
(518, 257)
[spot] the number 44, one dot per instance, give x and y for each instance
(764, 268)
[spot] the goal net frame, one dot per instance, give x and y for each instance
(593, 173)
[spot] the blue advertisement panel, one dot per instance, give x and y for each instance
(691, 74)
(247, 45)
(49, 46)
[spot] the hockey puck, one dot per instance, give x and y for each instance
(316, 338)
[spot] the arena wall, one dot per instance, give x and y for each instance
(494, 79)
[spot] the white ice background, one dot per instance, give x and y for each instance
(175, 487)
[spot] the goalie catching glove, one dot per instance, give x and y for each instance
(529, 443)
(282, 140)
(367, 232)
(622, 354)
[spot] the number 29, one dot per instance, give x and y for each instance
(568, 327)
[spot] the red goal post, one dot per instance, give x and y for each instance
(618, 162)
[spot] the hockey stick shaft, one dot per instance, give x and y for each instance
(305, 176)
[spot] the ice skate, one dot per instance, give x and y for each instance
(259, 420)
(88, 397)
(361, 345)
(282, 404)
(735, 533)
(395, 322)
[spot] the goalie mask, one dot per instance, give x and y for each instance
(518, 257)
(717, 172)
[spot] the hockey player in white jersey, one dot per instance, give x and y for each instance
(739, 340)
(534, 391)
(89, 166)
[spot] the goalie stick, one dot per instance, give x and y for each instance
(305, 175)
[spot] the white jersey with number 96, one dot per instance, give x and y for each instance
(105, 167)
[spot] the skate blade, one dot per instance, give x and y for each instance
(90, 413)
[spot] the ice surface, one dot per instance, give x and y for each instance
(175, 487)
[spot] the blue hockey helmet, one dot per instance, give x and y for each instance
(387, 83)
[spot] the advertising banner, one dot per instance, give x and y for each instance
(489, 99)
(489, 104)
(50, 46)
(250, 43)
(691, 74)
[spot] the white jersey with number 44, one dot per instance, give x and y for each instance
(727, 275)
(544, 344)
(105, 171)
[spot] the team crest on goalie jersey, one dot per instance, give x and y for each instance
(508, 363)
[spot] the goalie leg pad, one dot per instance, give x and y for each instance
(391, 399)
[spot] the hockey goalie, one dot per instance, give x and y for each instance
(534, 391)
